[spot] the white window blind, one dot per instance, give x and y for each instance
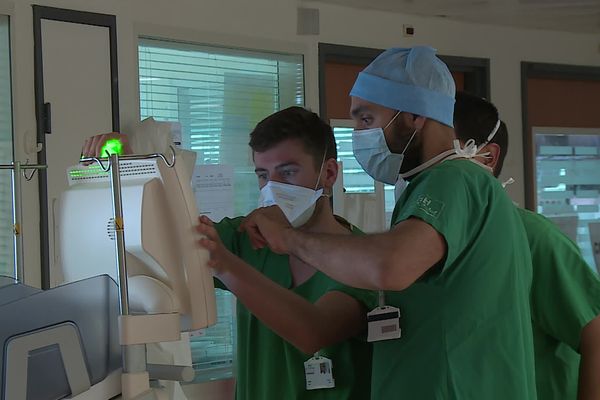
(218, 95)
(6, 154)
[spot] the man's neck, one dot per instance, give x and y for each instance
(437, 138)
(323, 220)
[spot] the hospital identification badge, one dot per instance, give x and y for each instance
(384, 324)
(318, 372)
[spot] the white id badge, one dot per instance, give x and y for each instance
(384, 324)
(318, 372)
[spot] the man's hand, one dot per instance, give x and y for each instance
(94, 144)
(220, 257)
(268, 226)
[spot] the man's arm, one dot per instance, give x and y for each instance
(589, 368)
(387, 261)
(336, 316)
(310, 327)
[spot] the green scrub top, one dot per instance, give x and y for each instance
(268, 367)
(466, 324)
(565, 296)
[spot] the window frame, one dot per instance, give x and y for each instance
(548, 71)
(8, 13)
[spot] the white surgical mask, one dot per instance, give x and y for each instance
(374, 156)
(297, 202)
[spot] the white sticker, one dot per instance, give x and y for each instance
(384, 324)
(318, 372)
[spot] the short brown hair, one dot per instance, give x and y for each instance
(295, 123)
(475, 118)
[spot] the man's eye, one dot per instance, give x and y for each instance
(261, 177)
(363, 122)
(289, 173)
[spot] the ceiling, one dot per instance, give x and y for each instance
(581, 16)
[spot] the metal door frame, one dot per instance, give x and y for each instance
(43, 120)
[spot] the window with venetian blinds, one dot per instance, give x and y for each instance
(218, 95)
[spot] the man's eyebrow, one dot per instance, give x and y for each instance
(360, 109)
(288, 164)
(280, 166)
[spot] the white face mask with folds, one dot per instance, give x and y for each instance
(297, 202)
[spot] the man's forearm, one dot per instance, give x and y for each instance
(287, 314)
(358, 261)
(388, 261)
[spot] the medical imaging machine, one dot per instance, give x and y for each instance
(87, 338)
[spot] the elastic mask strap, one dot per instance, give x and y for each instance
(507, 182)
(485, 155)
(321, 170)
(428, 163)
(470, 151)
(391, 120)
(482, 165)
(490, 137)
(409, 140)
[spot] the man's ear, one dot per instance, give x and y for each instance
(329, 174)
(491, 160)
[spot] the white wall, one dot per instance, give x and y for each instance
(271, 25)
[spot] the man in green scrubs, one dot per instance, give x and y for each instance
(287, 310)
(455, 262)
(565, 293)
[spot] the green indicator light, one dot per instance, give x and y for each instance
(92, 170)
(113, 146)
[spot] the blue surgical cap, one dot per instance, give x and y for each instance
(412, 80)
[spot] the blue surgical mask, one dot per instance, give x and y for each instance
(399, 188)
(373, 154)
